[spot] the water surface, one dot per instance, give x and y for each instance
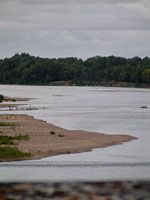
(100, 109)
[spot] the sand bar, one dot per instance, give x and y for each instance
(47, 139)
(8, 102)
(14, 99)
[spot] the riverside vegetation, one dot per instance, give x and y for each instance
(8, 143)
(6, 99)
(108, 71)
(1, 98)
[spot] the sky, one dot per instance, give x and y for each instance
(78, 28)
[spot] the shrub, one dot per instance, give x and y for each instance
(52, 132)
(60, 135)
(1, 98)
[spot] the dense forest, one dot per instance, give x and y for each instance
(26, 69)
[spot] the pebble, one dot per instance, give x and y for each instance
(131, 190)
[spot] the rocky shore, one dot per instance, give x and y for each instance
(129, 190)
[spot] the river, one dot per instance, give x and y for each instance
(100, 109)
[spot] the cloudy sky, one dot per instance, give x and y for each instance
(82, 28)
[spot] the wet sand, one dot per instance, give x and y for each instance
(47, 139)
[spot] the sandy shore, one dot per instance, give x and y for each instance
(47, 139)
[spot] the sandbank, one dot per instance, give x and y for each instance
(8, 102)
(46, 139)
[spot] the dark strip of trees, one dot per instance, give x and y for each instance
(26, 69)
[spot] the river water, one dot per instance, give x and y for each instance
(100, 109)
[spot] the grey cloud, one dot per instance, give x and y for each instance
(73, 17)
(58, 2)
(77, 1)
(75, 28)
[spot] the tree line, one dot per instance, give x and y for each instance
(26, 69)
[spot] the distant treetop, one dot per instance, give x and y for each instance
(26, 69)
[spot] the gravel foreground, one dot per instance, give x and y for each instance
(131, 190)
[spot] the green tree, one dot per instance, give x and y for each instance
(146, 75)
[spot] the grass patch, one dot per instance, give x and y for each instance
(9, 140)
(12, 125)
(12, 152)
(21, 137)
(7, 124)
(6, 140)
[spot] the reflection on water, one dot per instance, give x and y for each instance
(107, 110)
